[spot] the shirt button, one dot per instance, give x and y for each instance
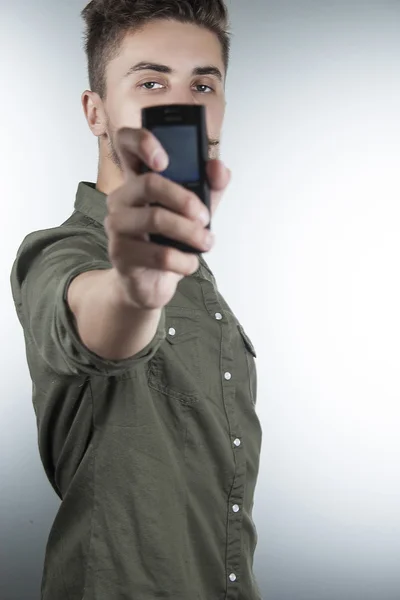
(235, 508)
(237, 442)
(232, 577)
(172, 331)
(218, 316)
(228, 376)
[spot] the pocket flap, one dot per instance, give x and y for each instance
(248, 343)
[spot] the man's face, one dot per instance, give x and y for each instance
(166, 62)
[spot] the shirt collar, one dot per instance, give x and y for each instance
(93, 203)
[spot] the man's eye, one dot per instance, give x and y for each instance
(206, 89)
(150, 85)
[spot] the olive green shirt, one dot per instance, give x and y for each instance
(155, 458)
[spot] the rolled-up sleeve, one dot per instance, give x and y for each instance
(45, 265)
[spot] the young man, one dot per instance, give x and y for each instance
(144, 381)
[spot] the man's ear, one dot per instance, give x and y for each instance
(94, 112)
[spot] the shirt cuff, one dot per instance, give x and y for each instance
(77, 358)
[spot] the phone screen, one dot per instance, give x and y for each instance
(181, 144)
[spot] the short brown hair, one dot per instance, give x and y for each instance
(108, 21)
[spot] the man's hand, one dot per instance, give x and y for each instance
(148, 273)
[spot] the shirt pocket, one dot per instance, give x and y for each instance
(176, 368)
(251, 354)
(247, 341)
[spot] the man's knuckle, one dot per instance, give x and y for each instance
(151, 183)
(198, 234)
(188, 202)
(145, 141)
(156, 218)
(164, 258)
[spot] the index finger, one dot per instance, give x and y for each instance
(136, 146)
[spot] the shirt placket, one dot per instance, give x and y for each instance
(236, 495)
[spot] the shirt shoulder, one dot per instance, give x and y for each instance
(78, 234)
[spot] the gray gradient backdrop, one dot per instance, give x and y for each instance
(311, 226)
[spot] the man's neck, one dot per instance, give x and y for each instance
(109, 177)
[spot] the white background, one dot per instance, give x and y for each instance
(307, 255)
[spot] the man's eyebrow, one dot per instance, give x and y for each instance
(208, 70)
(145, 66)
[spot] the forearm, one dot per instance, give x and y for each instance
(106, 324)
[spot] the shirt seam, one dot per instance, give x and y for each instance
(88, 566)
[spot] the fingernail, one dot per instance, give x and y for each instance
(204, 217)
(159, 160)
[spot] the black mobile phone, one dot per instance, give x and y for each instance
(181, 130)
